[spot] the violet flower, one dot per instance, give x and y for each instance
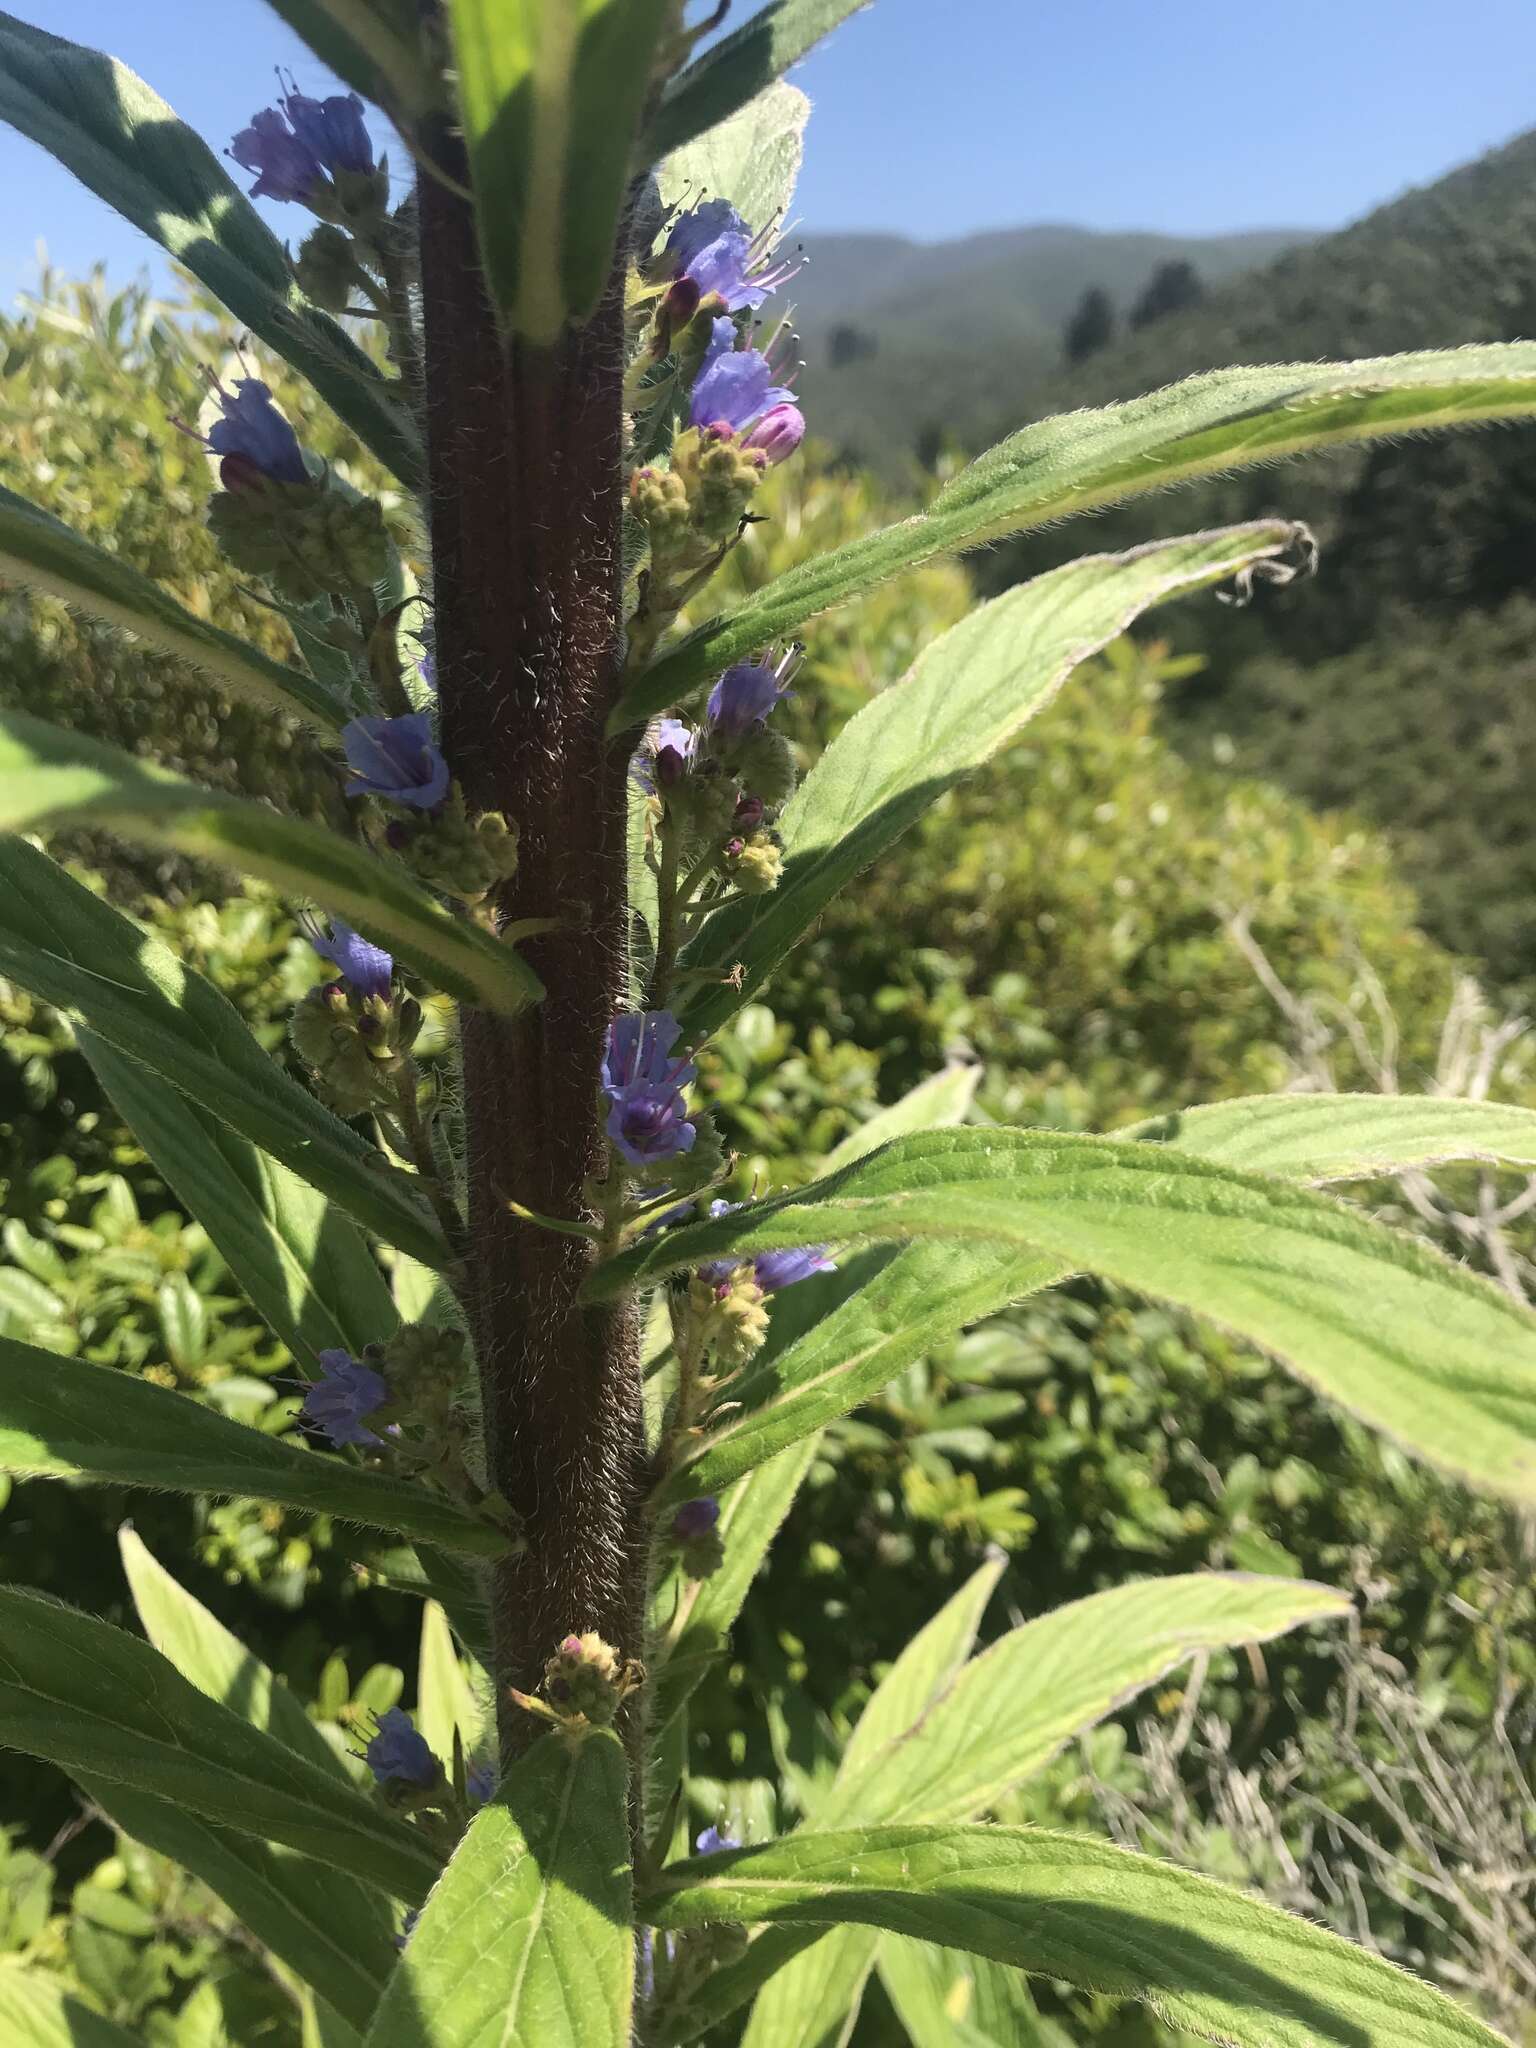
(647, 1117)
(712, 246)
(743, 698)
(298, 145)
(735, 386)
(773, 1270)
(366, 968)
(777, 434)
(398, 1754)
(713, 1840)
(696, 1518)
(254, 435)
(666, 756)
(396, 758)
(335, 1404)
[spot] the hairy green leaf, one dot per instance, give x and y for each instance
(76, 952)
(552, 93)
(305, 1265)
(966, 696)
(50, 777)
(528, 1942)
(1432, 1354)
(1218, 1961)
(89, 1698)
(897, 1307)
(1007, 1712)
(946, 1999)
(121, 140)
(1079, 461)
(61, 1418)
(1347, 1137)
(923, 1673)
(37, 549)
(736, 69)
(334, 1930)
(445, 1700)
(753, 159)
(813, 1999)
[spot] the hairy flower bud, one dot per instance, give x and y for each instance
(696, 1532)
(307, 540)
(729, 1314)
(464, 857)
(763, 761)
(327, 268)
(353, 1044)
(425, 1365)
(586, 1678)
(755, 864)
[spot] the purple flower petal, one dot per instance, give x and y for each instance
(366, 967)
(398, 1754)
(346, 1392)
(255, 431)
(741, 699)
(396, 758)
(773, 1270)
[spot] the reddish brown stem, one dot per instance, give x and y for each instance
(524, 451)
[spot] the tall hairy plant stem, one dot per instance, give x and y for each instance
(524, 451)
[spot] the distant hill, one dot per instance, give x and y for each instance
(901, 338)
(1362, 686)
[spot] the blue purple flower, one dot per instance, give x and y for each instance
(735, 386)
(712, 246)
(480, 1782)
(696, 1518)
(398, 1754)
(336, 1404)
(773, 1270)
(743, 698)
(296, 146)
(666, 756)
(713, 1840)
(365, 967)
(396, 758)
(647, 1117)
(253, 435)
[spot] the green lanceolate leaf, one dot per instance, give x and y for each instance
(551, 93)
(90, 1698)
(445, 1700)
(63, 1419)
(692, 1635)
(37, 2012)
(1347, 1137)
(753, 159)
(964, 698)
(375, 45)
(944, 1098)
(813, 2000)
(121, 140)
(39, 550)
(923, 1673)
(739, 67)
(50, 777)
(334, 1930)
(1078, 461)
(1436, 1357)
(1217, 1961)
(946, 1999)
(216, 1662)
(304, 1264)
(76, 952)
(528, 1940)
(897, 1308)
(331, 1931)
(1004, 1715)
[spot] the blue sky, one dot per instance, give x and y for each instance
(935, 119)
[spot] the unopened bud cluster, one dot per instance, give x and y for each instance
(587, 1680)
(355, 1044)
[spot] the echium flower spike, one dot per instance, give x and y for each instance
(366, 968)
(337, 1404)
(396, 758)
(647, 1117)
